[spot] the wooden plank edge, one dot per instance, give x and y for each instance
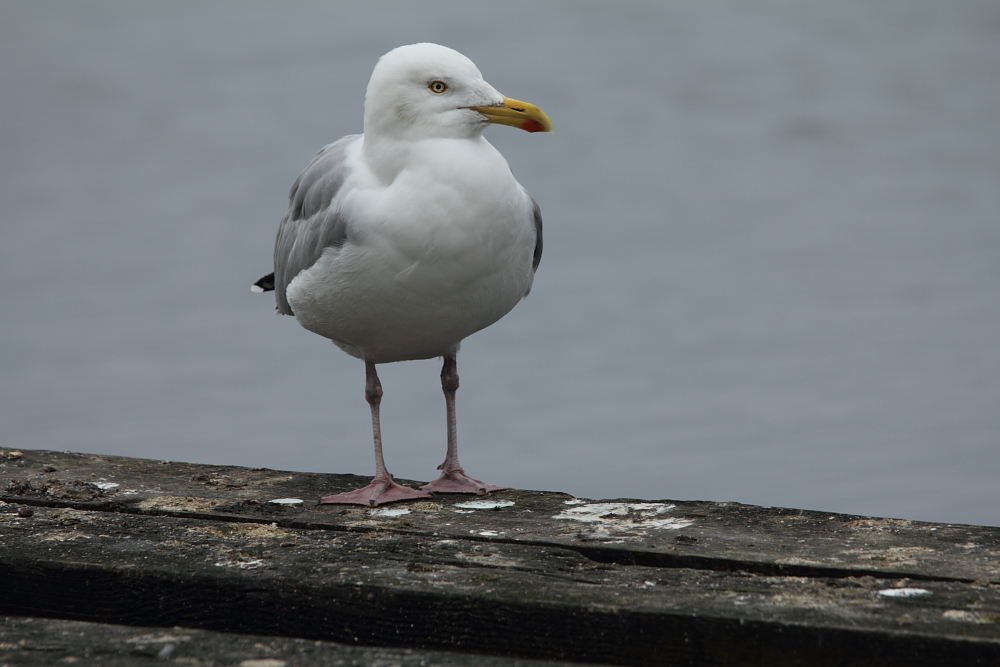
(401, 602)
(645, 558)
(31, 642)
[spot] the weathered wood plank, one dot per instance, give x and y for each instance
(398, 590)
(30, 642)
(666, 533)
(200, 546)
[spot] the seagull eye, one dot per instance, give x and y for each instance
(438, 87)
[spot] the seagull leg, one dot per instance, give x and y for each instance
(382, 489)
(453, 478)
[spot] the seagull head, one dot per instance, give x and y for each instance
(425, 91)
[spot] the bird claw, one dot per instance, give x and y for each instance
(456, 481)
(379, 492)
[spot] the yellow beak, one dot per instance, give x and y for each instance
(526, 116)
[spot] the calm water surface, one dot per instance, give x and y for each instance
(772, 253)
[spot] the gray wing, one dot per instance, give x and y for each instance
(311, 224)
(537, 212)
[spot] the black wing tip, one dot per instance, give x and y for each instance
(537, 255)
(265, 284)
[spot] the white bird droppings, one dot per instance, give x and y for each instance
(241, 564)
(104, 486)
(625, 515)
(485, 504)
(390, 511)
(286, 501)
(903, 592)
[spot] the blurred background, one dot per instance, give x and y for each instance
(772, 246)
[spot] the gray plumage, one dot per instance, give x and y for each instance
(311, 225)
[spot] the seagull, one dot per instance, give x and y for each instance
(401, 241)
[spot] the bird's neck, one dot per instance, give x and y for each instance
(385, 156)
(388, 156)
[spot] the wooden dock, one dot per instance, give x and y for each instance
(221, 565)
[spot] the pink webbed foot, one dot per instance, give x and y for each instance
(379, 492)
(456, 481)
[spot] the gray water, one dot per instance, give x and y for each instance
(772, 252)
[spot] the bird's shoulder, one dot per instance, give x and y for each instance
(322, 179)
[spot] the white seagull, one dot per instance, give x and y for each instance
(400, 242)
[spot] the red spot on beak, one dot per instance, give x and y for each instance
(532, 126)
